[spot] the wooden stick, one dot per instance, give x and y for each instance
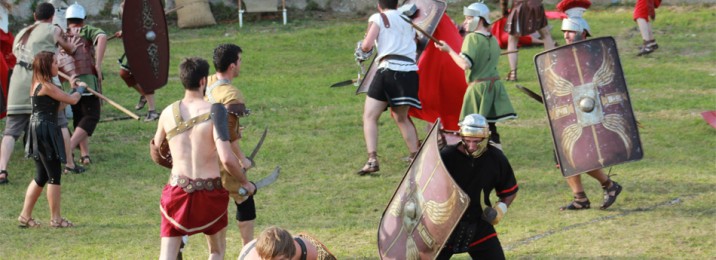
(508, 52)
(417, 28)
(118, 106)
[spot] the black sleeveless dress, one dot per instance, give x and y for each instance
(44, 136)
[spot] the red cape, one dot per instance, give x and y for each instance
(7, 61)
(442, 82)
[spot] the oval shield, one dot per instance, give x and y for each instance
(146, 41)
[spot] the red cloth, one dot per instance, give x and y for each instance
(442, 82)
(498, 30)
(645, 9)
(197, 212)
(7, 61)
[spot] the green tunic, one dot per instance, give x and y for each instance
(485, 94)
(40, 39)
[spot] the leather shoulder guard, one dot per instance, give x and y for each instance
(221, 121)
(160, 153)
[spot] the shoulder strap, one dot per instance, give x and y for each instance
(216, 83)
(386, 22)
(183, 126)
(37, 89)
(304, 252)
(26, 36)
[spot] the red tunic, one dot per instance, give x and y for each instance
(200, 211)
(645, 9)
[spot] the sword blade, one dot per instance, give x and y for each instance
(258, 146)
(344, 83)
(271, 178)
(530, 93)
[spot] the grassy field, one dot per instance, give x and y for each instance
(315, 134)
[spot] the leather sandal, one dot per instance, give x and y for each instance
(576, 205)
(27, 222)
(370, 166)
(647, 47)
(3, 179)
(610, 194)
(141, 103)
(85, 160)
(512, 75)
(61, 223)
(77, 169)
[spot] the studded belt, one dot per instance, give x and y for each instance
(191, 185)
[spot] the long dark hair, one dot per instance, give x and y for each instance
(42, 67)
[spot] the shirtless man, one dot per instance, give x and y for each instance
(194, 200)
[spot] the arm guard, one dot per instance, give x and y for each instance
(221, 122)
(360, 54)
(160, 153)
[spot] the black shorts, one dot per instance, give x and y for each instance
(246, 211)
(398, 88)
(86, 113)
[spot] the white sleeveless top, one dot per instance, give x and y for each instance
(399, 39)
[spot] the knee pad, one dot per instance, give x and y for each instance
(246, 210)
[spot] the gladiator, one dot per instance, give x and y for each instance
(194, 201)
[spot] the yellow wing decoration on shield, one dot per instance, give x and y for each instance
(605, 73)
(617, 124)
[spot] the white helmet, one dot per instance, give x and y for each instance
(574, 21)
(477, 10)
(75, 11)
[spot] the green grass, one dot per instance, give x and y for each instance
(315, 134)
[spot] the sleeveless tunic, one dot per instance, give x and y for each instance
(44, 136)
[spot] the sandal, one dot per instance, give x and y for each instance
(61, 223)
(141, 103)
(85, 160)
(512, 75)
(4, 179)
(27, 222)
(370, 166)
(77, 169)
(576, 205)
(647, 47)
(610, 194)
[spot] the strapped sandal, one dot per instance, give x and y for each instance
(610, 194)
(76, 170)
(576, 205)
(4, 179)
(512, 75)
(141, 103)
(61, 223)
(370, 166)
(647, 47)
(85, 160)
(27, 222)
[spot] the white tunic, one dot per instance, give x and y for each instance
(399, 39)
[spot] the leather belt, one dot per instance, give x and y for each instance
(491, 79)
(25, 65)
(190, 185)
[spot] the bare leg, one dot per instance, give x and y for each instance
(511, 47)
(580, 198)
(547, 38)
(645, 29)
(169, 248)
(246, 228)
(371, 114)
(407, 128)
(8, 144)
(84, 147)
(217, 244)
(70, 163)
(80, 138)
(31, 196)
(600, 176)
(150, 102)
(54, 198)
(575, 183)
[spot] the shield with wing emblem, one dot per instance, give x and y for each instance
(424, 209)
(427, 17)
(588, 106)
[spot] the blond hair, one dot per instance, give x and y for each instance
(275, 241)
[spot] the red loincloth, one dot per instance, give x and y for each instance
(645, 9)
(201, 211)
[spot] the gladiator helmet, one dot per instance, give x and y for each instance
(477, 10)
(75, 11)
(574, 21)
(475, 125)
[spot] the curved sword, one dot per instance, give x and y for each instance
(258, 146)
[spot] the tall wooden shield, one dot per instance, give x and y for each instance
(146, 42)
(427, 18)
(588, 106)
(424, 209)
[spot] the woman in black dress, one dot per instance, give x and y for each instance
(44, 139)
